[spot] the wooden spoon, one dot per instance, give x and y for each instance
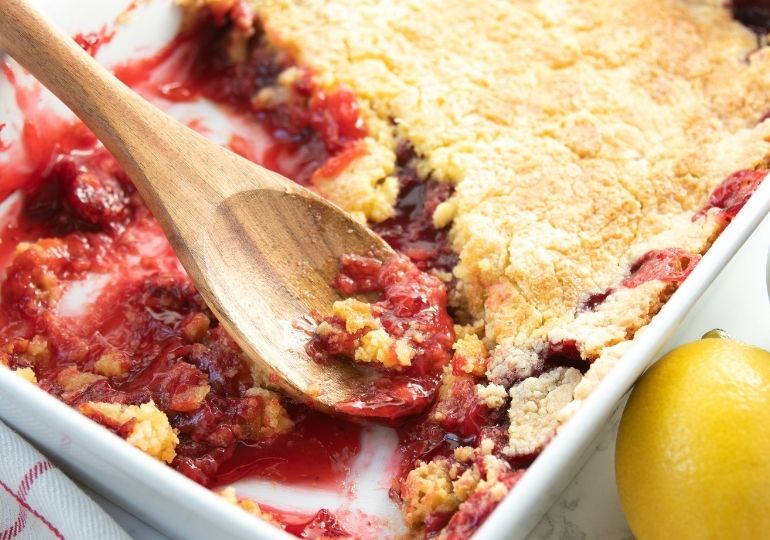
(262, 250)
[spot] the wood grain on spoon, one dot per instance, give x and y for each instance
(261, 250)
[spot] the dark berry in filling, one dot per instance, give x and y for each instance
(316, 124)
(411, 230)
(595, 300)
(561, 353)
(755, 14)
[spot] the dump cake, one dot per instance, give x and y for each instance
(550, 172)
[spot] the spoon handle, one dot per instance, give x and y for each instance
(161, 156)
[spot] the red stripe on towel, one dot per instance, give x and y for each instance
(26, 484)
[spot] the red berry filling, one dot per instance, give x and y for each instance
(318, 127)
(152, 330)
(755, 14)
(670, 265)
(91, 42)
(411, 305)
(150, 323)
(3, 144)
(457, 418)
(460, 411)
(733, 193)
(411, 309)
(321, 526)
(334, 116)
(411, 230)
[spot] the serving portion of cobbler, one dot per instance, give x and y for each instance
(550, 172)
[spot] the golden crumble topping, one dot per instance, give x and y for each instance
(150, 429)
(27, 374)
(111, 364)
(535, 405)
(366, 187)
(428, 489)
(494, 396)
(445, 484)
(471, 354)
(250, 506)
(32, 353)
(357, 315)
(72, 378)
(274, 418)
(376, 345)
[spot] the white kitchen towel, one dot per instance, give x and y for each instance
(38, 502)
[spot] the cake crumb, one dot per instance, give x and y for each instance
(509, 364)
(493, 396)
(274, 418)
(357, 315)
(427, 489)
(470, 355)
(250, 506)
(112, 364)
(534, 409)
(150, 432)
(444, 484)
(26, 373)
(71, 378)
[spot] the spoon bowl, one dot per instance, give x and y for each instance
(270, 304)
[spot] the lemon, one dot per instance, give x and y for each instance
(692, 458)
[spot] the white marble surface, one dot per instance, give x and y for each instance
(589, 508)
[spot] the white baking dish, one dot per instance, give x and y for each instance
(183, 509)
